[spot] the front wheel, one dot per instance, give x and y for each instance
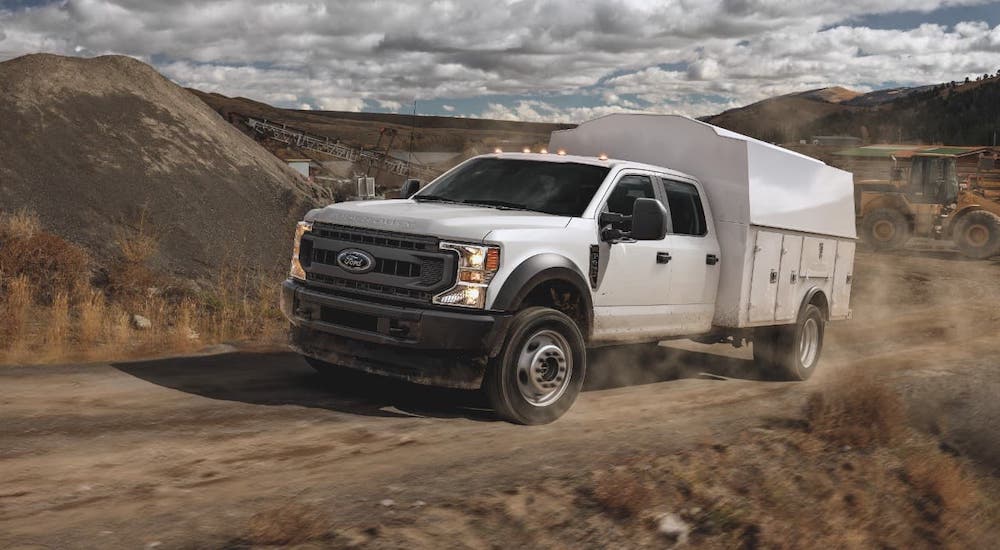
(791, 352)
(538, 373)
(978, 234)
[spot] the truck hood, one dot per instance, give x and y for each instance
(443, 220)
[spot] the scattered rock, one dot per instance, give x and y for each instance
(141, 323)
(673, 528)
(419, 504)
(388, 503)
(406, 440)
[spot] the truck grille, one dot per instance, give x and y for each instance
(396, 268)
(375, 237)
(406, 267)
(370, 288)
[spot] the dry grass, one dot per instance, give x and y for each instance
(52, 264)
(946, 494)
(622, 493)
(287, 525)
(856, 409)
(50, 310)
(783, 486)
(23, 224)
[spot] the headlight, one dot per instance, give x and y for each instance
(297, 272)
(476, 267)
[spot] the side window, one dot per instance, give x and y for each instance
(629, 188)
(686, 211)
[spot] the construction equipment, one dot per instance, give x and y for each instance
(926, 199)
(336, 148)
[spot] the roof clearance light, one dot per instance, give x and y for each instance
(561, 152)
(543, 151)
(526, 150)
(602, 156)
(498, 150)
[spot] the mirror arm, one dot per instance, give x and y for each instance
(611, 235)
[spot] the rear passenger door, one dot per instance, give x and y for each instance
(694, 252)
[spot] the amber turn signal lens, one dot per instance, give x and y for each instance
(471, 276)
(492, 259)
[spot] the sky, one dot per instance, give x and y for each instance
(541, 60)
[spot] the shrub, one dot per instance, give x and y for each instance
(52, 264)
(856, 409)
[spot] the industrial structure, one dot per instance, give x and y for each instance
(336, 148)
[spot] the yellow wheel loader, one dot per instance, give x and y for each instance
(928, 201)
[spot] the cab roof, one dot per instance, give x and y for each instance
(610, 163)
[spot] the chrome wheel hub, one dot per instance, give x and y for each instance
(544, 368)
(809, 343)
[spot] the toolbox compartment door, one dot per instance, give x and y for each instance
(764, 277)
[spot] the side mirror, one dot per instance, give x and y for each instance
(409, 188)
(649, 220)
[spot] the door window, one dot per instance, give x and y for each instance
(622, 199)
(686, 211)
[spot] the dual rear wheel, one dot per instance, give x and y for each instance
(791, 352)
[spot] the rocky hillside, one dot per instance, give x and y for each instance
(93, 146)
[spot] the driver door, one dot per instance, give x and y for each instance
(631, 301)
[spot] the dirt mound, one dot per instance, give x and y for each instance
(94, 145)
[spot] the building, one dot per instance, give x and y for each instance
(300, 165)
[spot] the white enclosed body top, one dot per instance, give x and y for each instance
(785, 221)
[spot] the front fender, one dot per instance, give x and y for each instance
(539, 269)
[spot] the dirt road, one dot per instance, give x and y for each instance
(181, 452)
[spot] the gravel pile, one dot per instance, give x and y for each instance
(94, 145)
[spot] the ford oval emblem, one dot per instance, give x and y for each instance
(355, 261)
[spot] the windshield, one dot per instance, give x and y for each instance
(560, 188)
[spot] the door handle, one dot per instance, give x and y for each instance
(711, 259)
(663, 257)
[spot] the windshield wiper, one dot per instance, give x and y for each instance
(503, 205)
(436, 198)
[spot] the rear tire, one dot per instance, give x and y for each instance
(538, 373)
(886, 229)
(791, 352)
(977, 234)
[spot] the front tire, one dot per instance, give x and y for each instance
(538, 373)
(978, 235)
(886, 229)
(791, 352)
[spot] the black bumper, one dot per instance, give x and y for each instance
(426, 346)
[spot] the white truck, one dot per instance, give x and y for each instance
(630, 229)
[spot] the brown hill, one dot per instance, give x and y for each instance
(778, 119)
(430, 133)
(92, 145)
(956, 113)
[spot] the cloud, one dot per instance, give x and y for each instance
(604, 55)
(449, 108)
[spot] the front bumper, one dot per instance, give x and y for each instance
(426, 346)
